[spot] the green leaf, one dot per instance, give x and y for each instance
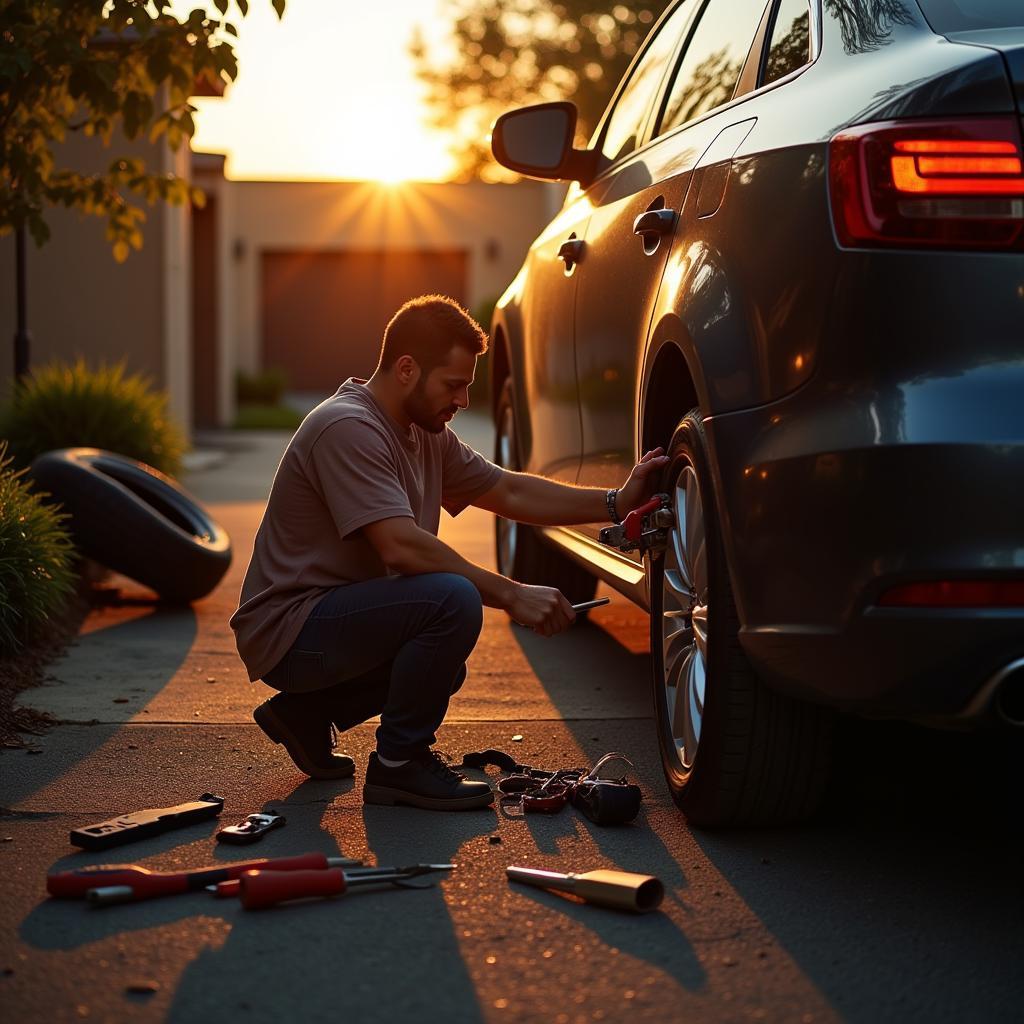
(92, 67)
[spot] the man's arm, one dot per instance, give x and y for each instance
(535, 499)
(409, 550)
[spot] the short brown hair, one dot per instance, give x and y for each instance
(427, 328)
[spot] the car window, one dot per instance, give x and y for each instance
(964, 15)
(790, 46)
(709, 69)
(625, 124)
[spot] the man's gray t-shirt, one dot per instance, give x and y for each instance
(348, 465)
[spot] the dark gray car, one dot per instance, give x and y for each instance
(793, 255)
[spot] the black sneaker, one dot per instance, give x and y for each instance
(307, 734)
(426, 781)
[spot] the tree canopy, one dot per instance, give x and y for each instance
(507, 53)
(96, 67)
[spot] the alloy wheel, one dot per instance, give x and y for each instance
(684, 621)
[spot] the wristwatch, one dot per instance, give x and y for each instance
(610, 501)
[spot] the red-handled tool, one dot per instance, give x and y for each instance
(258, 889)
(644, 529)
(633, 524)
(125, 883)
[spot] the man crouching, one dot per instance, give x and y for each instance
(351, 606)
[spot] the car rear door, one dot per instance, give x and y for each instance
(640, 196)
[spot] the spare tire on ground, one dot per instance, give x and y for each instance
(132, 518)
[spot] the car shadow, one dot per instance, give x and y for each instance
(910, 870)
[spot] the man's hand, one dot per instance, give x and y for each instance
(641, 483)
(544, 609)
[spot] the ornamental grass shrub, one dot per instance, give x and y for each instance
(68, 405)
(37, 571)
(264, 388)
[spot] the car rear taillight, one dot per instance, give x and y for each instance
(953, 184)
(955, 594)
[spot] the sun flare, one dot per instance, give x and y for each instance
(329, 93)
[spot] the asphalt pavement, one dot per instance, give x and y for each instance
(902, 901)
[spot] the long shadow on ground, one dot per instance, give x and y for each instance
(151, 650)
(902, 899)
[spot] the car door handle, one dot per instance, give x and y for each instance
(569, 251)
(655, 223)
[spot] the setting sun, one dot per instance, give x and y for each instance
(327, 93)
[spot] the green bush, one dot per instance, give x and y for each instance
(264, 388)
(266, 417)
(36, 556)
(61, 405)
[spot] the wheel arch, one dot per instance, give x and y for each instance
(501, 366)
(669, 389)
(507, 360)
(672, 386)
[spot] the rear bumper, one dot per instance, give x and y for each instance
(938, 668)
(826, 504)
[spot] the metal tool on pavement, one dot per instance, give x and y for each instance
(259, 889)
(644, 529)
(254, 828)
(126, 883)
(126, 828)
(620, 890)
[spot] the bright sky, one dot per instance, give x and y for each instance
(327, 92)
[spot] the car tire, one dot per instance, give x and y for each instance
(520, 552)
(135, 520)
(734, 752)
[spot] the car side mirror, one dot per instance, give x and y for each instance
(537, 141)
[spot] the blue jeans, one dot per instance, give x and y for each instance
(394, 646)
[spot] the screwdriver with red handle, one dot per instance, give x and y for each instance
(265, 888)
(126, 883)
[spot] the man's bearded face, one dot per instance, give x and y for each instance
(437, 396)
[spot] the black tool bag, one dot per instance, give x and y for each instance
(607, 802)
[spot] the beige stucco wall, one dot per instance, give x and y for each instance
(495, 224)
(208, 174)
(176, 288)
(81, 302)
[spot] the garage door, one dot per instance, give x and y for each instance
(324, 313)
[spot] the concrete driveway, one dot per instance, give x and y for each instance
(901, 902)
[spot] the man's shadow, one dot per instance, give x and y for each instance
(380, 953)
